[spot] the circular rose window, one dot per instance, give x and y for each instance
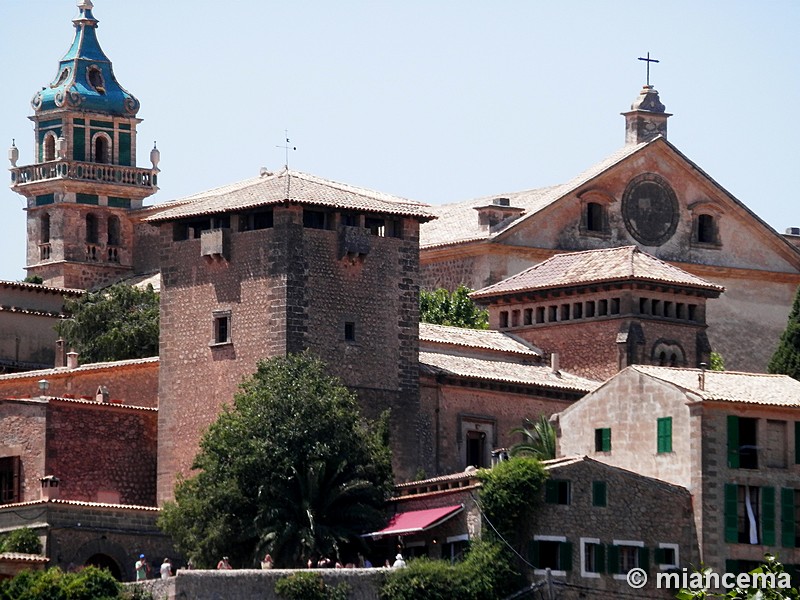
(650, 209)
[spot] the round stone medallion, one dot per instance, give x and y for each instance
(650, 209)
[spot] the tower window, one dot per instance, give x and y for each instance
(44, 229)
(102, 148)
(222, 327)
(49, 147)
(113, 230)
(350, 331)
(9, 479)
(91, 229)
(476, 449)
(314, 219)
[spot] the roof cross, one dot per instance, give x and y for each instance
(287, 146)
(648, 60)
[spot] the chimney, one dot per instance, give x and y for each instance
(60, 356)
(50, 489)
(497, 212)
(701, 379)
(102, 394)
(554, 364)
(72, 360)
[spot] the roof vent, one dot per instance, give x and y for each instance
(264, 172)
(793, 230)
(501, 202)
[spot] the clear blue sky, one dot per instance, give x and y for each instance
(434, 100)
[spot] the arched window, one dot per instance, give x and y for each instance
(49, 147)
(113, 230)
(44, 229)
(101, 148)
(91, 229)
(706, 231)
(662, 359)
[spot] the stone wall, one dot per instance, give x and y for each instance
(102, 452)
(22, 429)
(364, 584)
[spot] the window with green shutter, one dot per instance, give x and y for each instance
(664, 435)
(550, 553)
(768, 516)
(733, 442)
(599, 493)
(788, 535)
(602, 439)
(731, 517)
(557, 491)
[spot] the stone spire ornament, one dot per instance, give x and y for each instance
(155, 156)
(13, 153)
(85, 4)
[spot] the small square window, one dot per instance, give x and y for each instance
(602, 439)
(599, 494)
(557, 491)
(350, 331)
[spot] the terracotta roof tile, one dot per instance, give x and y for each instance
(503, 371)
(83, 368)
(22, 557)
(293, 186)
(594, 266)
(730, 386)
(36, 287)
(484, 339)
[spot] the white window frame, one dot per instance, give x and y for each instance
(550, 538)
(637, 543)
(584, 543)
(667, 566)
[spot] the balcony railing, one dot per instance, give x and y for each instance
(84, 171)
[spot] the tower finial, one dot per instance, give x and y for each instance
(648, 60)
(85, 4)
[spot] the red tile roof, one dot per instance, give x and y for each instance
(596, 266)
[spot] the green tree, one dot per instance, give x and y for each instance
(717, 362)
(90, 583)
(507, 495)
(539, 439)
(290, 469)
(786, 359)
(23, 540)
(113, 324)
(457, 309)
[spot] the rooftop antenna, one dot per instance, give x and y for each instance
(648, 60)
(286, 147)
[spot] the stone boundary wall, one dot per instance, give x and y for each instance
(252, 584)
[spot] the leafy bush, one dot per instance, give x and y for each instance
(54, 584)
(21, 540)
(309, 586)
(486, 573)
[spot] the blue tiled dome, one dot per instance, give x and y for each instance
(85, 79)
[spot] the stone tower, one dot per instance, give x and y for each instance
(284, 263)
(84, 183)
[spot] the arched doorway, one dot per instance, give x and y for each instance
(103, 561)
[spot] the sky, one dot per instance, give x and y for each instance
(433, 100)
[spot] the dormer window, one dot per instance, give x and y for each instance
(706, 229)
(95, 77)
(595, 217)
(594, 213)
(706, 216)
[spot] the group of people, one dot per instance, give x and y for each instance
(143, 567)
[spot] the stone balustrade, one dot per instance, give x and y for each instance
(84, 171)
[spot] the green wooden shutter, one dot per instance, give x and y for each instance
(607, 439)
(787, 518)
(644, 559)
(599, 493)
(565, 556)
(659, 556)
(768, 516)
(600, 557)
(613, 559)
(664, 434)
(731, 506)
(731, 566)
(551, 491)
(797, 442)
(733, 442)
(533, 552)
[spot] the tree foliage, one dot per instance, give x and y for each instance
(508, 492)
(117, 323)
(487, 573)
(717, 362)
(23, 540)
(90, 583)
(539, 439)
(290, 469)
(457, 309)
(304, 585)
(786, 359)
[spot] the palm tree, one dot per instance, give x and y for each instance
(539, 439)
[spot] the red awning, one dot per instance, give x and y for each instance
(414, 521)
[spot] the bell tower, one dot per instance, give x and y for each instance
(84, 186)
